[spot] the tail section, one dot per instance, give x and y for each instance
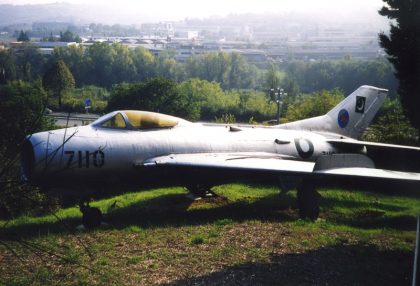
(354, 114)
(350, 117)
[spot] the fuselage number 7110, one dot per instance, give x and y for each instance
(85, 159)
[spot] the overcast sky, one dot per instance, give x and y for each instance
(179, 9)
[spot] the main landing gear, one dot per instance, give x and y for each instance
(199, 191)
(92, 216)
(308, 201)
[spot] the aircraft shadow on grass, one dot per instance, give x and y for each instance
(369, 215)
(331, 265)
(167, 210)
(163, 211)
(177, 210)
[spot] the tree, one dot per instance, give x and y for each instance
(231, 70)
(51, 38)
(291, 91)
(157, 95)
(30, 63)
(272, 77)
(21, 113)
(205, 97)
(252, 105)
(7, 66)
(403, 48)
(313, 105)
(212, 66)
(290, 86)
(68, 36)
(58, 79)
(21, 106)
(74, 57)
(123, 69)
(346, 75)
(166, 66)
(23, 36)
(392, 126)
(143, 61)
(99, 61)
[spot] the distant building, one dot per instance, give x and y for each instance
(16, 45)
(162, 29)
(254, 56)
(47, 48)
(184, 51)
(189, 35)
(54, 44)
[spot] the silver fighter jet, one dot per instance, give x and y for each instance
(139, 148)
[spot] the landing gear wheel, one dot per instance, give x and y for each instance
(92, 217)
(308, 201)
(199, 190)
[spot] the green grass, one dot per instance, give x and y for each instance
(247, 235)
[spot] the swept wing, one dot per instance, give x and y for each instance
(250, 163)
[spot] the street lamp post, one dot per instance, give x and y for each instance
(278, 93)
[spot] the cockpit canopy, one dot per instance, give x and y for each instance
(136, 119)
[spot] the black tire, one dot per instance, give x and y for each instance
(308, 201)
(92, 217)
(199, 190)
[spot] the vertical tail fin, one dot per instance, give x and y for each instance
(350, 117)
(354, 114)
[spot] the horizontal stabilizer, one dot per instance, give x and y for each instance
(355, 143)
(385, 156)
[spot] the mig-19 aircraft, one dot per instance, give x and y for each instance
(139, 148)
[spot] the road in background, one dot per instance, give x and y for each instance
(73, 119)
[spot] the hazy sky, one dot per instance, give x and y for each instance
(179, 9)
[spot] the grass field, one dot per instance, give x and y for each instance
(247, 235)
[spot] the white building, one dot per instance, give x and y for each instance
(47, 48)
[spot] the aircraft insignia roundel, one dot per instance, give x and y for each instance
(343, 118)
(304, 147)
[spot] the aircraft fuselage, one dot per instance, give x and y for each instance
(105, 156)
